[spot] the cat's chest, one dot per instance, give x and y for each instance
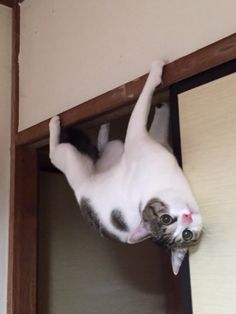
(113, 199)
(150, 170)
(118, 196)
(138, 176)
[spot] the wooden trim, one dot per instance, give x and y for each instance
(117, 99)
(15, 71)
(14, 125)
(23, 203)
(10, 3)
(22, 271)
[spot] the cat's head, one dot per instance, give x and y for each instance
(173, 224)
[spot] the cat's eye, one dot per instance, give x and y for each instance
(166, 219)
(187, 235)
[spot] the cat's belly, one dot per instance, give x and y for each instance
(109, 208)
(109, 222)
(113, 202)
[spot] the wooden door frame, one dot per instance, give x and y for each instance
(22, 263)
(10, 3)
(22, 271)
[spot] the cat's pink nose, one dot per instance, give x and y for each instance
(187, 218)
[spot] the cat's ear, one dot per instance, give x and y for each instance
(141, 233)
(177, 257)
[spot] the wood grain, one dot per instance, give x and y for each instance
(23, 203)
(15, 70)
(123, 96)
(22, 272)
(14, 126)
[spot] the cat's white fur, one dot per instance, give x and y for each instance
(128, 176)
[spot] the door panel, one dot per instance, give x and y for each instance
(208, 144)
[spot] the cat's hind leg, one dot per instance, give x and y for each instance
(76, 166)
(110, 152)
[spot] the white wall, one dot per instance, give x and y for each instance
(5, 90)
(74, 50)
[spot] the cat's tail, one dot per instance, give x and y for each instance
(138, 119)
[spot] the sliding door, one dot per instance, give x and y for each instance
(207, 129)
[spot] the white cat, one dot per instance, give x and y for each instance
(136, 190)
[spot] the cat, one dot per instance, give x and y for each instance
(136, 189)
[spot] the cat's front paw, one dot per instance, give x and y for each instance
(156, 72)
(157, 65)
(54, 124)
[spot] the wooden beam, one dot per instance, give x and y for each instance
(14, 126)
(10, 3)
(15, 71)
(117, 99)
